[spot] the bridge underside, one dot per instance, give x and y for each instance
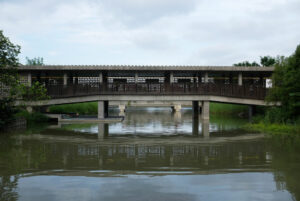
(126, 98)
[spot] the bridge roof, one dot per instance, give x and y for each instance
(144, 68)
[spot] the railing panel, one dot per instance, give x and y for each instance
(228, 90)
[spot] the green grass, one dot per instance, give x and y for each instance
(80, 108)
(275, 129)
(227, 109)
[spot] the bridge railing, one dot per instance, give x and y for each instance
(227, 90)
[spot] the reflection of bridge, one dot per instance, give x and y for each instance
(69, 152)
(72, 84)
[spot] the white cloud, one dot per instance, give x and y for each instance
(152, 31)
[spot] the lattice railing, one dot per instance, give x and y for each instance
(227, 90)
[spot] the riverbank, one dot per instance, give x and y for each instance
(274, 129)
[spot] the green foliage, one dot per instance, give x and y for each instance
(227, 109)
(37, 61)
(267, 61)
(32, 117)
(80, 108)
(6, 111)
(246, 63)
(286, 87)
(264, 61)
(10, 86)
(35, 92)
(8, 78)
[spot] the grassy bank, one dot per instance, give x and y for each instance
(80, 108)
(275, 129)
(228, 109)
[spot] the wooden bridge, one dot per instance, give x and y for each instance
(198, 84)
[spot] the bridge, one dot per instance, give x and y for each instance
(122, 84)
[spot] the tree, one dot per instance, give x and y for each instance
(246, 63)
(10, 86)
(267, 61)
(36, 61)
(286, 86)
(8, 78)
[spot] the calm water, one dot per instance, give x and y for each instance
(153, 154)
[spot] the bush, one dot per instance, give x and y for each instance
(32, 117)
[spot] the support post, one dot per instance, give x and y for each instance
(205, 128)
(195, 109)
(100, 77)
(65, 79)
(240, 79)
(177, 108)
(171, 77)
(122, 108)
(29, 79)
(103, 130)
(199, 78)
(205, 110)
(206, 77)
(102, 109)
(136, 77)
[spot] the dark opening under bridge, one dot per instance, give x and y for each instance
(176, 84)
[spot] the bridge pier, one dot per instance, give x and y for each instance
(103, 130)
(195, 108)
(176, 108)
(205, 128)
(102, 109)
(205, 110)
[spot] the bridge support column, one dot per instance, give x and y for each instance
(205, 128)
(29, 79)
(240, 79)
(100, 77)
(171, 77)
(65, 79)
(205, 110)
(195, 109)
(206, 77)
(136, 78)
(102, 109)
(176, 108)
(122, 108)
(103, 130)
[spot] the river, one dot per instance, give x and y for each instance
(153, 154)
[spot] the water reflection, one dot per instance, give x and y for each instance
(152, 155)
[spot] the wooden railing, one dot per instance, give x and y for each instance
(227, 90)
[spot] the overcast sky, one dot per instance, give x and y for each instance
(164, 32)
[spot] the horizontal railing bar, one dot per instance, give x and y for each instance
(227, 90)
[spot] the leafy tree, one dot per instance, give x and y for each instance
(10, 87)
(246, 64)
(8, 78)
(267, 61)
(36, 61)
(286, 86)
